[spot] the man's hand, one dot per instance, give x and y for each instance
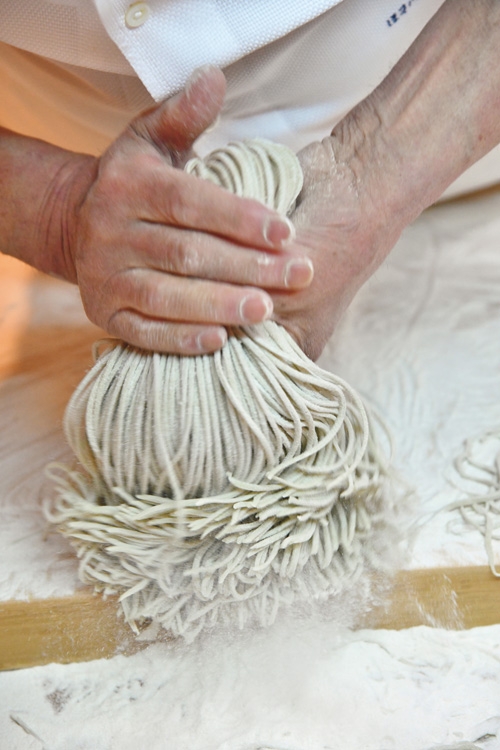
(163, 259)
(392, 156)
(341, 220)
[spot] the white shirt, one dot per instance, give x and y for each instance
(294, 67)
(168, 40)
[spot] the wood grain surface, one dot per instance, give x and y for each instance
(85, 627)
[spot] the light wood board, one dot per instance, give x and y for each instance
(85, 627)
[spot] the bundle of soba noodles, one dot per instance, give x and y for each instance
(215, 488)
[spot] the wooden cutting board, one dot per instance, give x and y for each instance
(83, 627)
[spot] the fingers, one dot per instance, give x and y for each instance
(175, 198)
(166, 260)
(136, 183)
(165, 195)
(179, 315)
(194, 254)
(196, 287)
(176, 123)
(177, 298)
(166, 337)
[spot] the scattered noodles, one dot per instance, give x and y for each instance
(479, 463)
(216, 488)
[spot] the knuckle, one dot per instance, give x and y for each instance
(177, 252)
(188, 201)
(138, 294)
(115, 170)
(129, 326)
(118, 286)
(153, 336)
(152, 301)
(179, 340)
(122, 325)
(112, 175)
(179, 256)
(187, 256)
(177, 210)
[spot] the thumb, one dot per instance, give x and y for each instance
(176, 123)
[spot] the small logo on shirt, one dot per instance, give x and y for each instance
(400, 12)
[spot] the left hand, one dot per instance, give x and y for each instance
(435, 114)
(342, 220)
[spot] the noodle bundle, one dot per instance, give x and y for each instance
(214, 489)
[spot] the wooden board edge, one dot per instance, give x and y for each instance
(454, 598)
(83, 627)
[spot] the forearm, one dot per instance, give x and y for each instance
(392, 156)
(436, 113)
(37, 183)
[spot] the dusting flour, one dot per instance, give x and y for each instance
(292, 687)
(421, 341)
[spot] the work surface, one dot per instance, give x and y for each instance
(422, 341)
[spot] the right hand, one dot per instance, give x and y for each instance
(163, 259)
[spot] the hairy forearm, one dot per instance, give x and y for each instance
(34, 196)
(437, 112)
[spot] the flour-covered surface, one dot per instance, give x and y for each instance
(421, 341)
(293, 687)
(45, 348)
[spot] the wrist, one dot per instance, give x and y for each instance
(56, 227)
(359, 146)
(41, 189)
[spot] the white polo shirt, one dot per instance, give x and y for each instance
(75, 71)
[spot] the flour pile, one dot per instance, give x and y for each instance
(215, 489)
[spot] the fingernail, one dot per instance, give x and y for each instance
(278, 231)
(211, 340)
(196, 75)
(254, 308)
(299, 272)
(213, 126)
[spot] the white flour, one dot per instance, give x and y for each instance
(422, 340)
(291, 688)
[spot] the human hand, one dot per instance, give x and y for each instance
(165, 260)
(343, 221)
(435, 114)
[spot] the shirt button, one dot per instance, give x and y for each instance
(136, 15)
